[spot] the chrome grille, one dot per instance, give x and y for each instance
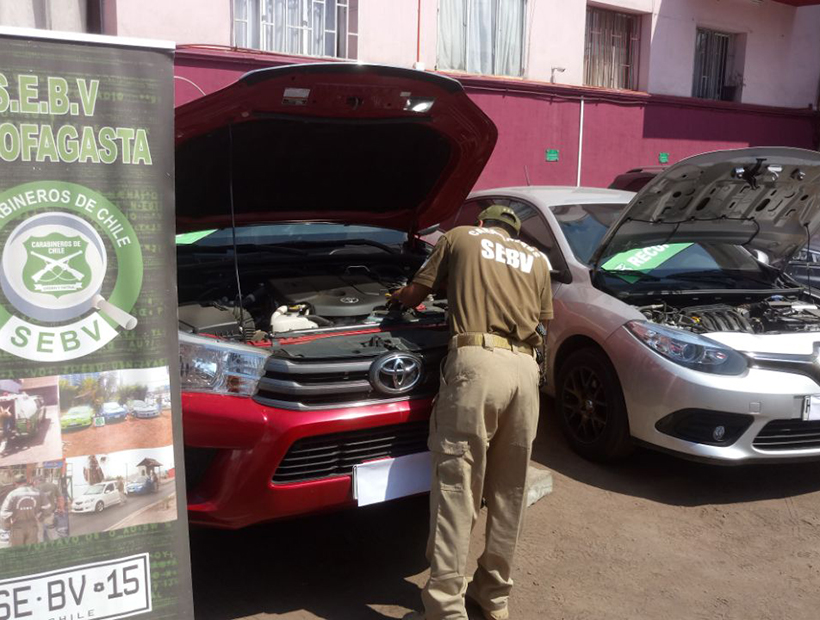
(789, 435)
(323, 456)
(290, 383)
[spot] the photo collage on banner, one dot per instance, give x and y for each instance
(92, 504)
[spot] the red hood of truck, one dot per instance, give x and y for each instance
(336, 142)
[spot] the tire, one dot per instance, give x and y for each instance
(591, 408)
(99, 507)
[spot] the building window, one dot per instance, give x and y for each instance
(301, 27)
(612, 49)
(482, 36)
(715, 75)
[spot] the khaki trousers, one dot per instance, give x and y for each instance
(24, 533)
(481, 433)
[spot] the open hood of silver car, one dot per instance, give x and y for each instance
(765, 198)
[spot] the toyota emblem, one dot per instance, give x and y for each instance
(349, 300)
(396, 373)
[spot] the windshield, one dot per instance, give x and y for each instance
(292, 233)
(689, 266)
(585, 225)
(96, 489)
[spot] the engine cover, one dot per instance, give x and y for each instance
(330, 296)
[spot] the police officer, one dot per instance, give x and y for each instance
(51, 495)
(22, 510)
(486, 413)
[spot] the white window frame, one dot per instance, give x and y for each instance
(259, 25)
(605, 72)
(726, 73)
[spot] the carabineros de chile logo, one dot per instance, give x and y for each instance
(53, 267)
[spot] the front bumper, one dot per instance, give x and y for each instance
(655, 387)
(145, 414)
(68, 426)
(247, 441)
(82, 509)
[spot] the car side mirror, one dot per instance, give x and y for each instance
(428, 231)
(560, 275)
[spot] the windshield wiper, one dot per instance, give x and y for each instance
(638, 275)
(243, 248)
(715, 276)
(338, 244)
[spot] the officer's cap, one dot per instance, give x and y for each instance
(20, 479)
(500, 213)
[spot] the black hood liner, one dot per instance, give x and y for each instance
(316, 166)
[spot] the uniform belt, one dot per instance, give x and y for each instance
(490, 341)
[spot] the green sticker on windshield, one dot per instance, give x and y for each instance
(644, 259)
(193, 237)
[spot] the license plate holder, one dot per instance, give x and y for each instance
(380, 481)
(811, 408)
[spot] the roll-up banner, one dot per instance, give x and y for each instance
(92, 494)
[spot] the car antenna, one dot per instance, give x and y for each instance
(241, 317)
(527, 175)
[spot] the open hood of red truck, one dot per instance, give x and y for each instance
(336, 142)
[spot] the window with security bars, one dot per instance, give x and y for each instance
(482, 36)
(714, 60)
(302, 27)
(612, 49)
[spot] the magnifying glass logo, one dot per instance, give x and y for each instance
(53, 269)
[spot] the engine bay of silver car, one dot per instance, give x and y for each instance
(771, 315)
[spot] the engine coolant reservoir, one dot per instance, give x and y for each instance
(288, 319)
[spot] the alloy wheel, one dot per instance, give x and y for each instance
(584, 404)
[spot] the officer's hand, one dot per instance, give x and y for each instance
(394, 299)
(412, 295)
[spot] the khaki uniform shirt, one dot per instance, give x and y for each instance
(495, 284)
(23, 504)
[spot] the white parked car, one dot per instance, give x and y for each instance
(97, 498)
(675, 326)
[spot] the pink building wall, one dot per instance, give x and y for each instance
(621, 130)
(181, 21)
(782, 49)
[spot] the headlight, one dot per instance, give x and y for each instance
(207, 365)
(687, 349)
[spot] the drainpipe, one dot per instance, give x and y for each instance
(418, 64)
(580, 143)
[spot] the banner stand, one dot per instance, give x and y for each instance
(92, 490)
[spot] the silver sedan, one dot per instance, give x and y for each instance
(675, 324)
